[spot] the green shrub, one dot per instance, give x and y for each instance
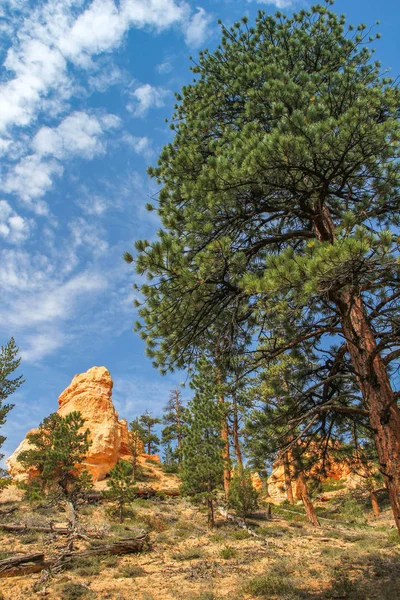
(31, 537)
(330, 485)
(265, 586)
(240, 534)
(85, 567)
(394, 537)
(189, 554)
(130, 571)
(242, 495)
(228, 553)
(75, 591)
(353, 511)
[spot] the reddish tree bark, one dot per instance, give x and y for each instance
(226, 453)
(374, 502)
(370, 371)
(235, 428)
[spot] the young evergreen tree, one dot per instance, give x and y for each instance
(202, 465)
(9, 362)
(174, 421)
(150, 440)
(280, 206)
(137, 433)
(121, 488)
(243, 496)
(57, 452)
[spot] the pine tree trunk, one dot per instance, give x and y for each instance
(371, 373)
(308, 505)
(377, 392)
(236, 441)
(225, 452)
(288, 478)
(178, 427)
(211, 520)
(374, 502)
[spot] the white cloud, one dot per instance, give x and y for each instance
(140, 145)
(77, 135)
(31, 178)
(39, 345)
(147, 96)
(88, 236)
(53, 36)
(164, 68)
(13, 228)
(198, 28)
(277, 3)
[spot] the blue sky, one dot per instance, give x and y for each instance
(84, 91)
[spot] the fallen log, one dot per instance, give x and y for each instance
(23, 565)
(123, 546)
(41, 529)
(33, 563)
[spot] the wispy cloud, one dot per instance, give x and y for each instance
(198, 28)
(49, 45)
(277, 3)
(146, 97)
(78, 135)
(13, 228)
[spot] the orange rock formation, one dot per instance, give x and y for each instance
(90, 394)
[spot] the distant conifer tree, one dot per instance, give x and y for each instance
(202, 465)
(151, 441)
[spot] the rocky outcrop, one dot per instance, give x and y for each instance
(276, 481)
(90, 394)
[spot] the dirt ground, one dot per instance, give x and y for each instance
(186, 561)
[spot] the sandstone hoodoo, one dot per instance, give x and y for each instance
(89, 393)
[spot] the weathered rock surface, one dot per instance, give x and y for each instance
(276, 481)
(90, 394)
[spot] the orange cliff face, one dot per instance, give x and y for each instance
(90, 394)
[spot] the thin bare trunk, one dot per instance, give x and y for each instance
(288, 478)
(236, 441)
(308, 505)
(211, 519)
(178, 425)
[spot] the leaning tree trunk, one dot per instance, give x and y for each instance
(308, 505)
(370, 371)
(288, 478)
(374, 502)
(377, 392)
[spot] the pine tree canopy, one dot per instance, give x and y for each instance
(279, 189)
(279, 206)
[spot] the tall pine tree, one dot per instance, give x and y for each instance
(280, 207)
